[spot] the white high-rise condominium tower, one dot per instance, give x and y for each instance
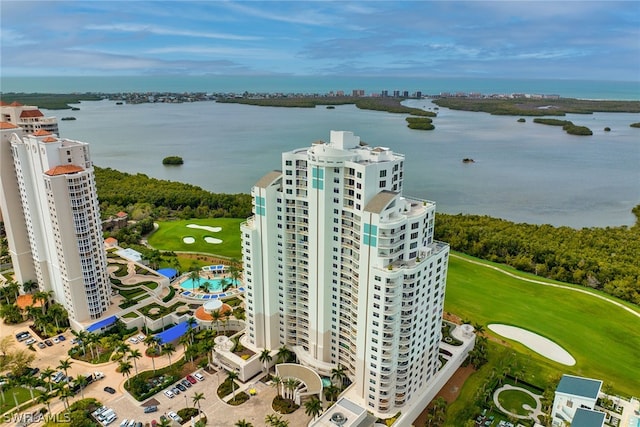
(342, 268)
(52, 218)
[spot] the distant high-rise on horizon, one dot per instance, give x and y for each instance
(342, 268)
(52, 219)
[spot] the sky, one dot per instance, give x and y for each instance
(586, 40)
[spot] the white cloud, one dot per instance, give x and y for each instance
(166, 31)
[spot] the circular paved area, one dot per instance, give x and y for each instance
(533, 412)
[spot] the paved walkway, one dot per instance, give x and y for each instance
(533, 412)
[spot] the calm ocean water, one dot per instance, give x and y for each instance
(288, 84)
(523, 172)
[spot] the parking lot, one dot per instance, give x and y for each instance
(219, 413)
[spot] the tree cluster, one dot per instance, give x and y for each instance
(567, 126)
(420, 123)
(172, 160)
(600, 258)
(122, 191)
(537, 107)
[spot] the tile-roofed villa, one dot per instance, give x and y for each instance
(41, 132)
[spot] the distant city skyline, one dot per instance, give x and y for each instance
(547, 40)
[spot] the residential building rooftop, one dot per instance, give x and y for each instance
(578, 386)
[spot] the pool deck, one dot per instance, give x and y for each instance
(195, 294)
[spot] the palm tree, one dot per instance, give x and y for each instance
(195, 277)
(291, 384)
(479, 327)
(10, 289)
(65, 365)
(43, 297)
(168, 349)
(197, 397)
(125, 368)
(47, 373)
(276, 380)
(266, 358)
(313, 407)
(216, 316)
(234, 272)
(82, 382)
(232, 376)
(191, 324)
(122, 348)
(29, 286)
(243, 423)
(44, 399)
(165, 422)
(135, 354)
(271, 419)
(339, 375)
(227, 314)
(152, 341)
(208, 343)
(331, 392)
(65, 394)
(283, 354)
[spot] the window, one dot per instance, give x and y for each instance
(383, 184)
(383, 173)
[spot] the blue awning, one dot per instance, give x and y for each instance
(102, 324)
(170, 273)
(173, 333)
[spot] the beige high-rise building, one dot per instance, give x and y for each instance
(52, 219)
(343, 269)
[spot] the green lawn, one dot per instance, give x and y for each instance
(602, 337)
(169, 236)
(512, 400)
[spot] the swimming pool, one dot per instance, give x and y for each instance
(326, 382)
(214, 284)
(634, 422)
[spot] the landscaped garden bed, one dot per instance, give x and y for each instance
(284, 406)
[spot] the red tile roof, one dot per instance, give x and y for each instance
(63, 170)
(111, 240)
(15, 104)
(3, 104)
(31, 113)
(7, 125)
(41, 132)
(121, 214)
(49, 139)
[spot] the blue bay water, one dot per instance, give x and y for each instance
(321, 85)
(523, 172)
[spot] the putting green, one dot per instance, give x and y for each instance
(215, 236)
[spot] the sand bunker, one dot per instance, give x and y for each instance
(212, 240)
(535, 342)
(205, 227)
(188, 240)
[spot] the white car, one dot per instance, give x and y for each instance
(169, 394)
(133, 340)
(30, 341)
(199, 376)
(56, 340)
(175, 417)
(140, 338)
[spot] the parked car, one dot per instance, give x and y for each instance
(150, 409)
(199, 376)
(56, 340)
(140, 338)
(98, 375)
(133, 340)
(48, 343)
(30, 341)
(169, 394)
(181, 387)
(110, 390)
(175, 390)
(41, 344)
(59, 376)
(124, 423)
(61, 338)
(185, 383)
(191, 379)
(21, 336)
(175, 417)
